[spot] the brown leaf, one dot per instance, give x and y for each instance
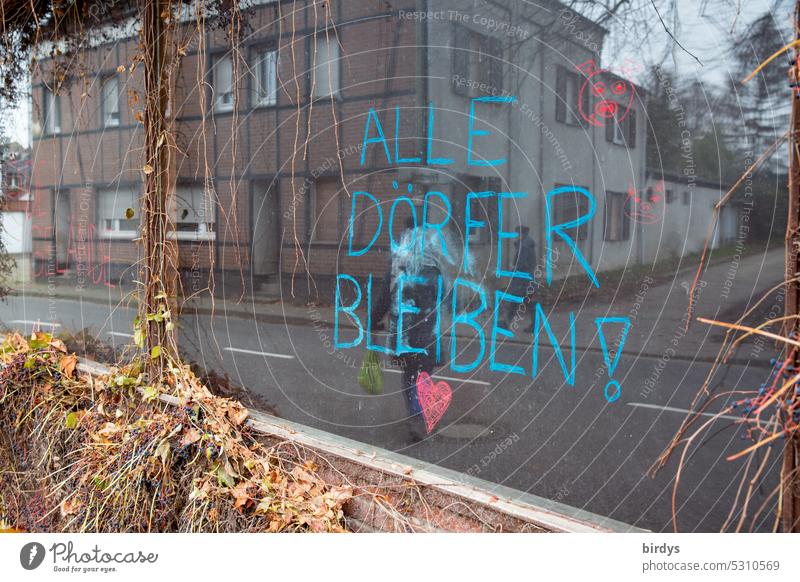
(238, 414)
(147, 169)
(242, 499)
(67, 365)
(303, 476)
(70, 506)
(109, 429)
(340, 494)
(59, 345)
(191, 436)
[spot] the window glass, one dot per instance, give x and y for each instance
(112, 212)
(265, 84)
(195, 215)
(223, 83)
(524, 201)
(51, 112)
(326, 65)
(326, 210)
(110, 101)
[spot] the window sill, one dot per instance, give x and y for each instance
(121, 235)
(192, 236)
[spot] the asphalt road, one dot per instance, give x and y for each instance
(539, 435)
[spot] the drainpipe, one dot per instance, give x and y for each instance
(541, 242)
(643, 177)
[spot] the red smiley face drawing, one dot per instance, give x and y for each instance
(612, 95)
(647, 209)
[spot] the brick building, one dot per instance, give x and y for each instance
(269, 139)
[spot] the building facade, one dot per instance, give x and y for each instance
(270, 142)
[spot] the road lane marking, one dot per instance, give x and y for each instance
(37, 322)
(437, 377)
(119, 334)
(683, 410)
(255, 353)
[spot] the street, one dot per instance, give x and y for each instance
(539, 434)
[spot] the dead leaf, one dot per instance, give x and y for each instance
(147, 169)
(121, 69)
(70, 506)
(109, 429)
(59, 345)
(67, 365)
(238, 415)
(242, 499)
(191, 436)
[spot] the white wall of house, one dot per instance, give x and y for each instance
(16, 233)
(684, 214)
(542, 151)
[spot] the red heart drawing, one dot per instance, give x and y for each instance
(434, 399)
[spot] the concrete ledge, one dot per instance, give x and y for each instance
(396, 493)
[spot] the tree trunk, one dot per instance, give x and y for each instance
(790, 484)
(157, 336)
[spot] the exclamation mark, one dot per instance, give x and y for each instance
(612, 390)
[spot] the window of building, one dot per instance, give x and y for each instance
(223, 83)
(617, 223)
(477, 63)
(194, 213)
(325, 210)
(51, 112)
(265, 77)
(109, 105)
(686, 198)
(669, 196)
(622, 133)
(118, 212)
(326, 65)
(568, 92)
(569, 206)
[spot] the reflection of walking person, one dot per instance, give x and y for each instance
(525, 262)
(420, 272)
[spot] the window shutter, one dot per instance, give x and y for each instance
(610, 121)
(460, 60)
(632, 128)
(584, 101)
(626, 223)
(561, 95)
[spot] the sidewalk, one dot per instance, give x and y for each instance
(657, 311)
